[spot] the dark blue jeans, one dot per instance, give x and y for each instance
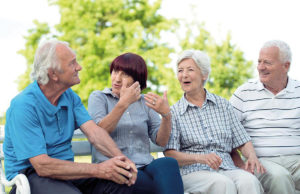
(161, 176)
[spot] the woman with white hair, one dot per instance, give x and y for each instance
(205, 129)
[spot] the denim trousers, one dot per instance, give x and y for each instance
(161, 176)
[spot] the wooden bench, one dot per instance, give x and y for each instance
(80, 147)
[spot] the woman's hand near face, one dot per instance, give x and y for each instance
(130, 94)
(158, 103)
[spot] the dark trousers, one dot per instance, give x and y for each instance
(43, 185)
(161, 176)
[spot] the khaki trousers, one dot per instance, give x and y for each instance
(282, 176)
(221, 182)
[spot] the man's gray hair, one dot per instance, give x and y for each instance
(200, 58)
(285, 54)
(45, 58)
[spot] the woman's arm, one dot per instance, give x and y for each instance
(161, 106)
(127, 96)
(212, 159)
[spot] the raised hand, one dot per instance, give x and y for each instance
(158, 103)
(130, 94)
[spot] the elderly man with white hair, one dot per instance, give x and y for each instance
(205, 129)
(40, 123)
(269, 110)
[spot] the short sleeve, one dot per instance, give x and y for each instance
(97, 106)
(240, 135)
(25, 132)
(174, 140)
(80, 112)
(153, 124)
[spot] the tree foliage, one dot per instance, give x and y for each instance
(100, 30)
(2, 119)
(229, 68)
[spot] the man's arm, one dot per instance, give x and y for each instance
(100, 138)
(212, 159)
(102, 141)
(112, 169)
(252, 161)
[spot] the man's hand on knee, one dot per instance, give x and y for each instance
(119, 170)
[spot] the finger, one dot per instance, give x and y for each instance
(246, 165)
(152, 96)
(126, 173)
(132, 180)
(121, 162)
(263, 169)
(120, 179)
(165, 95)
(135, 85)
(212, 164)
(258, 168)
(251, 165)
(124, 83)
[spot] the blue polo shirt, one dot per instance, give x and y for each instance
(34, 126)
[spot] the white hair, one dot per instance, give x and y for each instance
(200, 58)
(285, 54)
(45, 58)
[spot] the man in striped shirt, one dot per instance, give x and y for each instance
(269, 109)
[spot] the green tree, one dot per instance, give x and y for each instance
(2, 119)
(31, 44)
(229, 68)
(100, 30)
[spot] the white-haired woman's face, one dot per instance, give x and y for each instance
(190, 76)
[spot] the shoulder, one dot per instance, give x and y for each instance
(251, 85)
(248, 90)
(179, 105)
(26, 98)
(25, 104)
(218, 100)
(295, 83)
(97, 93)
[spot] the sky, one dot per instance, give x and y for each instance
(250, 22)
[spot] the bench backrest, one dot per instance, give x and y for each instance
(82, 147)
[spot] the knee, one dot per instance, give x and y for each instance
(279, 175)
(276, 177)
(223, 183)
(248, 181)
(167, 162)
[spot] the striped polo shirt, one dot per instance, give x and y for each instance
(272, 121)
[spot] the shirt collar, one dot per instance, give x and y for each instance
(109, 91)
(290, 87)
(184, 104)
(44, 102)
